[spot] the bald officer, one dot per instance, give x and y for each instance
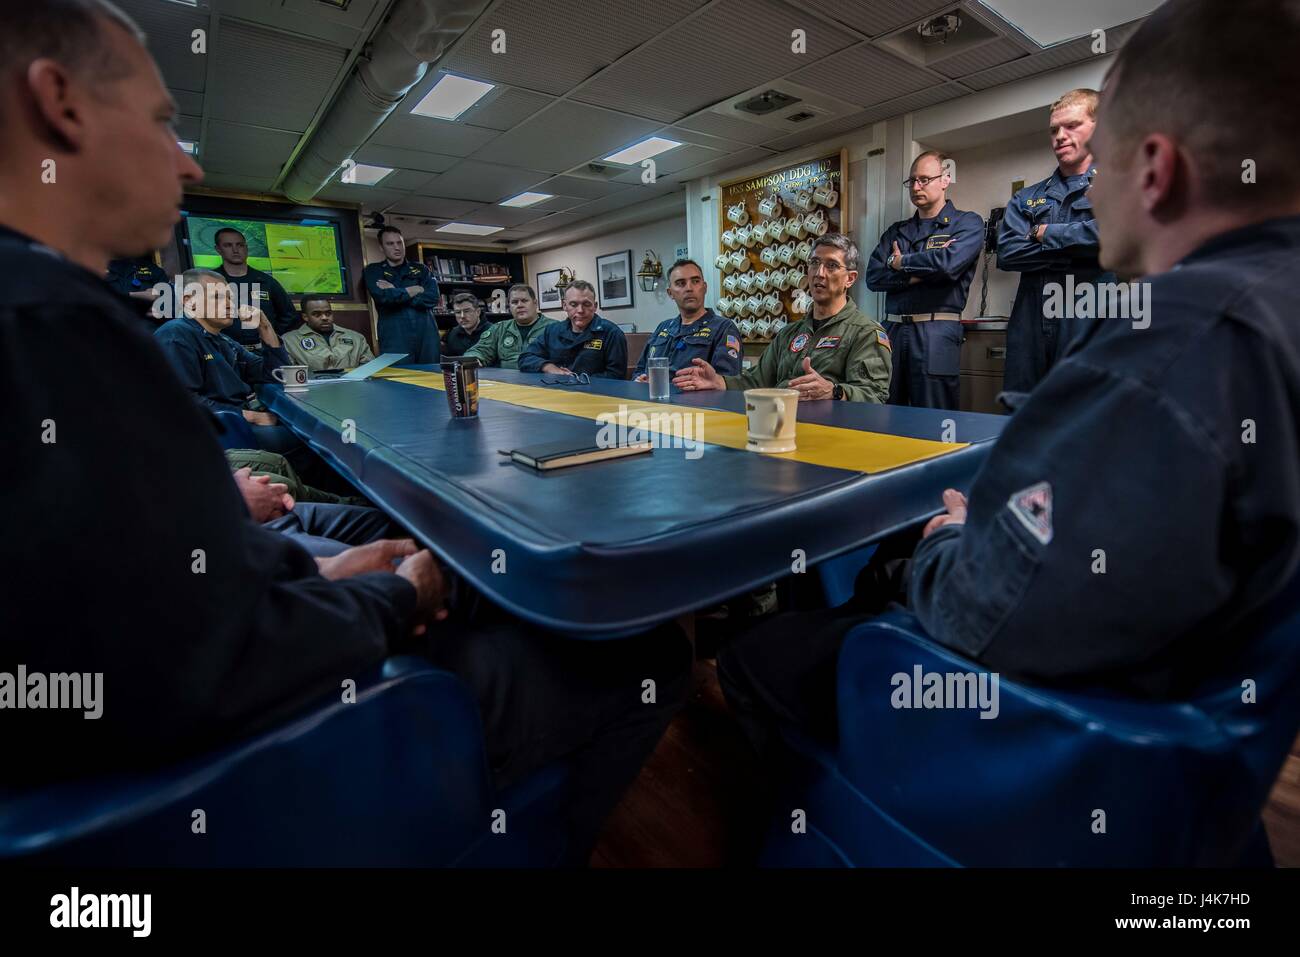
(1048, 233)
(503, 342)
(835, 352)
(924, 265)
(322, 347)
(696, 332)
(587, 343)
(405, 295)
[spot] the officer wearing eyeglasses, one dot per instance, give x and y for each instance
(470, 324)
(924, 265)
(834, 352)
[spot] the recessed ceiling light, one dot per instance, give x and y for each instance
(451, 96)
(526, 199)
(363, 174)
(643, 150)
(469, 229)
(188, 146)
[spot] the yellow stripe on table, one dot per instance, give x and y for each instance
(826, 445)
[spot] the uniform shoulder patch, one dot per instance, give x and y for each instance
(1033, 507)
(799, 341)
(883, 339)
(307, 342)
(733, 343)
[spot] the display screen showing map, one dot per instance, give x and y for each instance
(303, 256)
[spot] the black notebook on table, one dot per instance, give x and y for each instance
(558, 455)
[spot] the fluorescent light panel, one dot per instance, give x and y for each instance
(364, 174)
(637, 152)
(451, 96)
(469, 229)
(526, 199)
(188, 146)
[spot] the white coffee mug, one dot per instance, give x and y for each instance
(826, 196)
(748, 237)
(745, 281)
(724, 305)
(738, 214)
(763, 326)
(772, 304)
(779, 280)
(770, 205)
(729, 238)
(803, 199)
(768, 255)
(730, 283)
(815, 224)
(763, 281)
(779, 323)
(754, 306)
(798, 279)
(804, 251)
(772, 415)
(787, 254)
(294, 378)
(746, 327)
(740, 260)
(723, 263)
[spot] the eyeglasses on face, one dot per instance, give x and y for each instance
(830, 265)
(922, 181)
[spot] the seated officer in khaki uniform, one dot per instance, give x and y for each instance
(321, 347)
(835, 352)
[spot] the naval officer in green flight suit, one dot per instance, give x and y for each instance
(835, 352)
(503, 342)
(320, 345)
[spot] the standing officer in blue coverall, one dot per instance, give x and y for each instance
(404, 294)
(1134, 443)
(585, 343)
(1049, 232)
(696, 332)
(924, 265)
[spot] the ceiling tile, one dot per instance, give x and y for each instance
(406, 179)
(728, 127)
(983, 57)
(370, 197)
(565, 135)
(396, 157)
(483, 182)
(652, 81)
(579, 186)
(864, 75)
(169, 28)
(281, 78)
(230, 181)
(432, 206)
(251, 150)
(1063, 54)
(188, 127)
(506, 110)
(720, 167)
(188, 103)
(425, 133)
(555, 45)
(879, 16)
(551, 222)
(915, 101)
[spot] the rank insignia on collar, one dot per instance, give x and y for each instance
(1033, 507)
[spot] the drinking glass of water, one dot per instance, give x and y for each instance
(657, 371)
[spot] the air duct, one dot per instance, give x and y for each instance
(415, 35)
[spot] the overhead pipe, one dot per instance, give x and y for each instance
(416, 34)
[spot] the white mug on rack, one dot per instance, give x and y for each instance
(748, 237)
(772, 303)
(746, 327)
(779, 323)
(826, 195)
(729, 239)
(738, 214)
(763, 281)
(763, 326)
(804, 251)
(787, 254)
(746, 281)
(770, 205)
(723, 263)
(768, 255)
(730, 283)
(804, 200)
(815, 223)
(740, 261)
(780, 279)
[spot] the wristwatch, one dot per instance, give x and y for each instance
(837, 393)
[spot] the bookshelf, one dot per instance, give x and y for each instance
(464, 269)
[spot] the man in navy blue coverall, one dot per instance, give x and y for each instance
(924, 265)
(1048, 232)
(586, 342)
(1134, 442)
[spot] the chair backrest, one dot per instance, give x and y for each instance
(236, 433)
(635, 346)
(1070, 778)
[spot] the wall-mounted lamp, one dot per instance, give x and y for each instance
(650, 271)
(567, 275)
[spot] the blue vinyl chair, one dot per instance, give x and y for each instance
(839, 574)
(236, 433)
(397, 778)
(1180, 784)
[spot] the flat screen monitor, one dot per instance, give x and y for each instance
(305, 255)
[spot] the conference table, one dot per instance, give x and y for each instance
(613, 546)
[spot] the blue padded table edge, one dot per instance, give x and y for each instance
(595, 589)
